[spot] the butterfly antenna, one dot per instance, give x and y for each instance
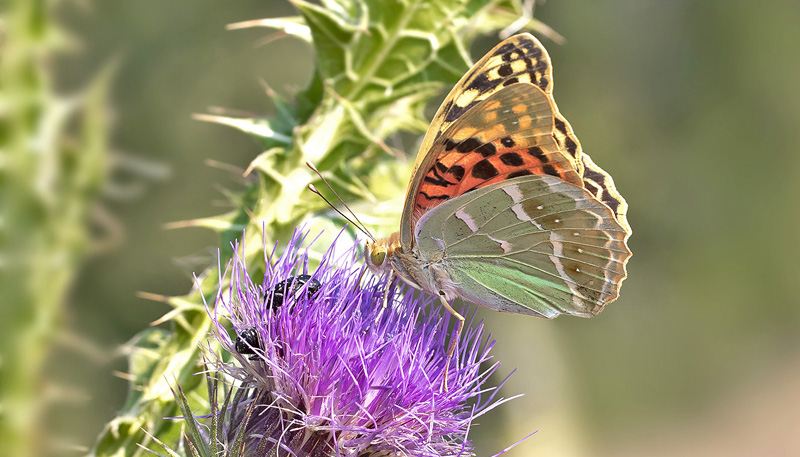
(363, 230)
(360, 224)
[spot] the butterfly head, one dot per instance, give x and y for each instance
(376, 257)
(379, 252)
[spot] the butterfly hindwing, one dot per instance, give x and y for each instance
(532, 245)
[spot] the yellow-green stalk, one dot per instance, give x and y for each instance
(52, 167)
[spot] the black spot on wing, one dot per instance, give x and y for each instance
(457, 171)
(468, 145)
(514, 54)
(592, 188)
(456, 111)
(535, 80)
(484, 170)
(512, 159)
(572, 147)
(510, 81)
(446, 109)
(437, 179)
(542, 83)
(438, 182)
(434, 197)
(480, 83)
(595, 176)
(597, 180)
(519, 173)
(550, 170)
(507, 142)
(504, 49)
(449, 145)
(561, 126)
(505, 70)
(487, 150)
(611, 203)
(537, 152)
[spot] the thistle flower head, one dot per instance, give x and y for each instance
(322, 371)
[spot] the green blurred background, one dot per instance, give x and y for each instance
(693, 107)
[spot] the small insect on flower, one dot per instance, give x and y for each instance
(295, 285)
(247, 341)
(324, 373)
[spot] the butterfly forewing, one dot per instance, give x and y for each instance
(600, 184)
(520, 58)
(505, 136)
(531, 245)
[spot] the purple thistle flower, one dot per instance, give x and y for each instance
(320, 375)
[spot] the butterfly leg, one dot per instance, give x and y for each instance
(385, 301)
(452, 349)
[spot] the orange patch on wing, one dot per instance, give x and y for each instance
(457, 173)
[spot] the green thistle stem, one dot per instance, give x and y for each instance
(51, 175)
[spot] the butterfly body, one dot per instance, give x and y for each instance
(424, 271)
(504, 209)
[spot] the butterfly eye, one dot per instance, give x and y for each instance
(377, 257)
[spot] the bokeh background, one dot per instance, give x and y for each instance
(693, 107)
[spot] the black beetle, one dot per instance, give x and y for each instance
(293, 284)
(247, 341)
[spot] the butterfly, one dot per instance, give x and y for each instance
(504, 209)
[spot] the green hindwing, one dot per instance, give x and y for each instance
(530, 245)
